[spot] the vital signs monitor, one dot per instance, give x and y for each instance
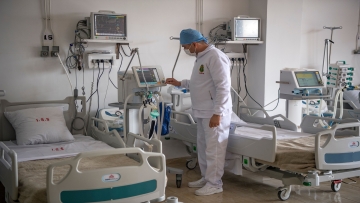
(108, 25)
(245, 28)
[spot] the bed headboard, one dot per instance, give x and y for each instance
(7, 132)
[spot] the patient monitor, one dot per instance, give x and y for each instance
(138, 80)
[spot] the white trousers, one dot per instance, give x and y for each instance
(211, 148)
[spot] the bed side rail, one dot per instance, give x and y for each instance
(278, 120)
(183, 131)
(188, 115)
(250, 146)
(108, 184)
(130, 142)
(338, 153)
(111, 138)
(9, 172)
(307, 124)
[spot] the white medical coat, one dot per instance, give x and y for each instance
(210, 84)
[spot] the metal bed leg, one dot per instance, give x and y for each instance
(178, 173)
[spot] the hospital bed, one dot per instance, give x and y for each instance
(270, 147)
(103, 174)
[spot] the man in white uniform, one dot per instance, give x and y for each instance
(209, 86)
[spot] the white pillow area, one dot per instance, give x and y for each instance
(353, 95)
(39, 125)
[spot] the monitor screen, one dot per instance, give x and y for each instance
(308, 79)
(109, 25)
(151, 76)
(246, 28)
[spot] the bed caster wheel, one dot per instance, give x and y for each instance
(178, 180)
(191, 164)
(284, 194)
(335, 186)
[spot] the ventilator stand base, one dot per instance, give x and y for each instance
(178, 173)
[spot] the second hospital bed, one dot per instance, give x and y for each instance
(83, 170)
(269, 146)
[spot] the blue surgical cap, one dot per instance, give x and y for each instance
(189, 36)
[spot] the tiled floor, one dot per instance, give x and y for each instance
(253, 188)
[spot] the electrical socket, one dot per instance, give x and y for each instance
(93, 57)
(94, 61)
(55, 50)
(44, 51)
(235, 55)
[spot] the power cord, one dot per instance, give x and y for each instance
(246, 89)
(97, 86)
(124, 51)
(277, 101)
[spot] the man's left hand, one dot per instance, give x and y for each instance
(214, 121)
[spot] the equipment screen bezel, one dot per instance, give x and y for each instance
(159, 73)
(259, 28)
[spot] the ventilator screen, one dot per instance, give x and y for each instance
(309, 79)
(151, 75)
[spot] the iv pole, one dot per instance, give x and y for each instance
(175, 38)
(331, 37)
(330, 90)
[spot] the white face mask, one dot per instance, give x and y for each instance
(187, 51)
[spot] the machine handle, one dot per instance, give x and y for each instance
(106, 11)
(332, 28)
(174, 38)
(282, 82)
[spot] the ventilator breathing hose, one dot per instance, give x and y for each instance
(341, 104)
(160, 120)
(141, 130)
(125, 114)
(307, 107)
(152, 128)
(335, 103)
(319, 114)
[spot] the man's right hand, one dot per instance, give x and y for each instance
(173, 81)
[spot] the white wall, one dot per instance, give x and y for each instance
(331, 13)
(257, 57)
(295, 38)
(26, 76)
(282, 46)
